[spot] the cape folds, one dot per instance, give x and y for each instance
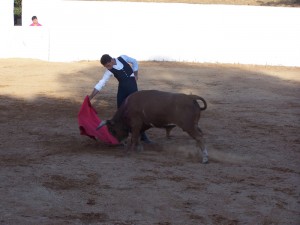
(88, 121)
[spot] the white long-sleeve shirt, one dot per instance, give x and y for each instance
(107, 74)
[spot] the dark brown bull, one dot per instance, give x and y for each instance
(150, 108)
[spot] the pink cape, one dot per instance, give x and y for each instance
(88, 121)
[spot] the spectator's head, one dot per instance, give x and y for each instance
(34, 20)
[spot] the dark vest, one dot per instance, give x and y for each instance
(124, 73)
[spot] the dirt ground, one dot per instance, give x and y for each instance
(50, 174)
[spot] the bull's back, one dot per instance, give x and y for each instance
(154, 100)
(163, 107)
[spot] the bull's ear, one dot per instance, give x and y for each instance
(103, 123)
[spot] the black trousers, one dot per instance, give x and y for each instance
(126, 88)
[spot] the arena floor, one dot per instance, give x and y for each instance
(50, 174)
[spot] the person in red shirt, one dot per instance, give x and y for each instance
(35, 21)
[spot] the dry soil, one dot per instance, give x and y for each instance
(50, 174)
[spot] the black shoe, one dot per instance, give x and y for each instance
(145, 139)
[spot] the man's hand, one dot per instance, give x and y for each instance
(93, 94)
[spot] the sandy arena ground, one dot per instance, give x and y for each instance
(50, 174)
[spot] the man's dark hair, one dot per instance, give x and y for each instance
(105, 59)
(33, 18)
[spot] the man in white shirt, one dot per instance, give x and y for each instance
(125, 70)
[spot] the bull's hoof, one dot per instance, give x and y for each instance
(123, 143)
(140, 148)
(205, 161)
(127, 152)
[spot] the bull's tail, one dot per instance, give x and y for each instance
(196, 97)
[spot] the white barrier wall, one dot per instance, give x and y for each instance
(6, 23)
(84, 30)
(6, 13)
(25, 42)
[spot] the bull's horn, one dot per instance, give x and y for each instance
(103, 122)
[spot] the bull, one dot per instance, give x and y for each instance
(145, 109)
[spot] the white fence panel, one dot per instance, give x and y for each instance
(84, 30)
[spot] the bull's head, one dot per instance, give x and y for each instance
(118, 130)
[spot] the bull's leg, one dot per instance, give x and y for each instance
(135, 141)
(198, 136)
(168, 129)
